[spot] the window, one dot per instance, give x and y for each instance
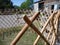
(59, 7)
(52, 7)
(41, 5)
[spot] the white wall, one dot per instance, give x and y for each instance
(55, 6)
(36, 7)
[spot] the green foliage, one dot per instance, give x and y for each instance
(11, 29)
(6, 4)
(27, 39)
(23, 5)
(26, 4)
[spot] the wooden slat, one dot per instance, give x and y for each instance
(37, 39)
(52, 28)
(24, 29)
(52, 38)
(49, 33)
(57, 18)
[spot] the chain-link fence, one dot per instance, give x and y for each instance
(11, 23)
(13, 11)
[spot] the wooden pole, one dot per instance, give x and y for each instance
(57, 18)
(24, 29)
(43, 29)
(49, 33)
(35, 29)
(52, 38)
(52, 28)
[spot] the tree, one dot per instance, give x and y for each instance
(26, 4)
(23, 5)
(6, 4)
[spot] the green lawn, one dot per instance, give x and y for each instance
(27, 39)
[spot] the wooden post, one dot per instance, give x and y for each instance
(49, 34)
(24, 29)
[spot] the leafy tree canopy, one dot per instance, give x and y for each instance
(6, 4)
(26, 4)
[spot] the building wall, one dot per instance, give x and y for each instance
(48, 1)
(36, 7)
(55, 3)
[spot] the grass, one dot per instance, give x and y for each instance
(11, 29)
(27, 39)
